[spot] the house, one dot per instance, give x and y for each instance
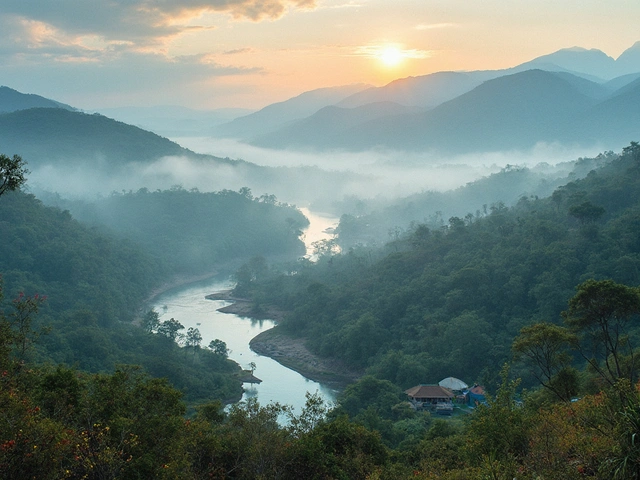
(431, 397)
(475, 395)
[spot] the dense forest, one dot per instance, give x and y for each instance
(448, 301)
(58, 422)
(376, 221)
(95, 280)
(544, 291)
(195, 232)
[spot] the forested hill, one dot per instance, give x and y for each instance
(55, 135)
(94, 284)
(194, 232)
(374, 221)
(11, 100)
(449, 301)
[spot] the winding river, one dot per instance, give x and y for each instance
(188, 305)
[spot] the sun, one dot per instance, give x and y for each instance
(390, 56)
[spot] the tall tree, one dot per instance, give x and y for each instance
(170, 328)
(219, 347)
(151, 321)
(598, 314)
(193, 338)
(545, 348)
(633, 150)
(13, 173)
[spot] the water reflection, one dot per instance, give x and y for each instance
(279, 384)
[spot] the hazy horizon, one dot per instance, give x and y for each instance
(212, 54)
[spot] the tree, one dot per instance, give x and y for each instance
(586, 212)
(498, 430)
(12, 173)
(598, 315)
(151, 321)
(193, 339)
(633, 150)
(325, 248)
(170, 328)
(246, 192)
(219, 347)
(544, 347)
(25, 309)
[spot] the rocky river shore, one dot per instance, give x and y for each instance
(286, 350)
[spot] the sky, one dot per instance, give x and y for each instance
(209, 54)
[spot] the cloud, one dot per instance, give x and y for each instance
(118, 76)
(348, 4)
(435, 26)
(239, 51)
(378, 51)
(141, 21)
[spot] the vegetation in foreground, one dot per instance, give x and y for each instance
(58, 422)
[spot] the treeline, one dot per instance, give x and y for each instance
(194, 232)
(449, 301)
(378, 221)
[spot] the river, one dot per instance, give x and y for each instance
(188, 305)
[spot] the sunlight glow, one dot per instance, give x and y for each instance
(391, 56)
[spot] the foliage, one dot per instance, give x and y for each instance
(599, 314)
(194, 232)
(219, 347)
(545, 348)
(13, 173)
(448, 300)
(94, 284)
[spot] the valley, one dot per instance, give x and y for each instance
(254, 294)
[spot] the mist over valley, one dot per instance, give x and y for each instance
(434, 277)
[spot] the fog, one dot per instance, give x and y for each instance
(316, 180)
(394, 174)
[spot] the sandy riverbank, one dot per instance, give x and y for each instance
(286, 350)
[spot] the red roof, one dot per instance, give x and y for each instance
(429, 391)
(477, 389)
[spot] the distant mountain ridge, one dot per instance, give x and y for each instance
(425, 91)
(590, 73)
(279, 114)
(330, 121)
(11, 100)
(44, 135)
(174, 121)
(509, 112)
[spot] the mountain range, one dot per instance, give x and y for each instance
(86, 153)
(45, 135)
(574, 95)
(174, 121)
(510, 112)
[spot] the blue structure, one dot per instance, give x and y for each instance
(475, 396)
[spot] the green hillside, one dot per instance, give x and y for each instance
(94, 284)
(448, 301)
(194, 232)
(55, 135)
